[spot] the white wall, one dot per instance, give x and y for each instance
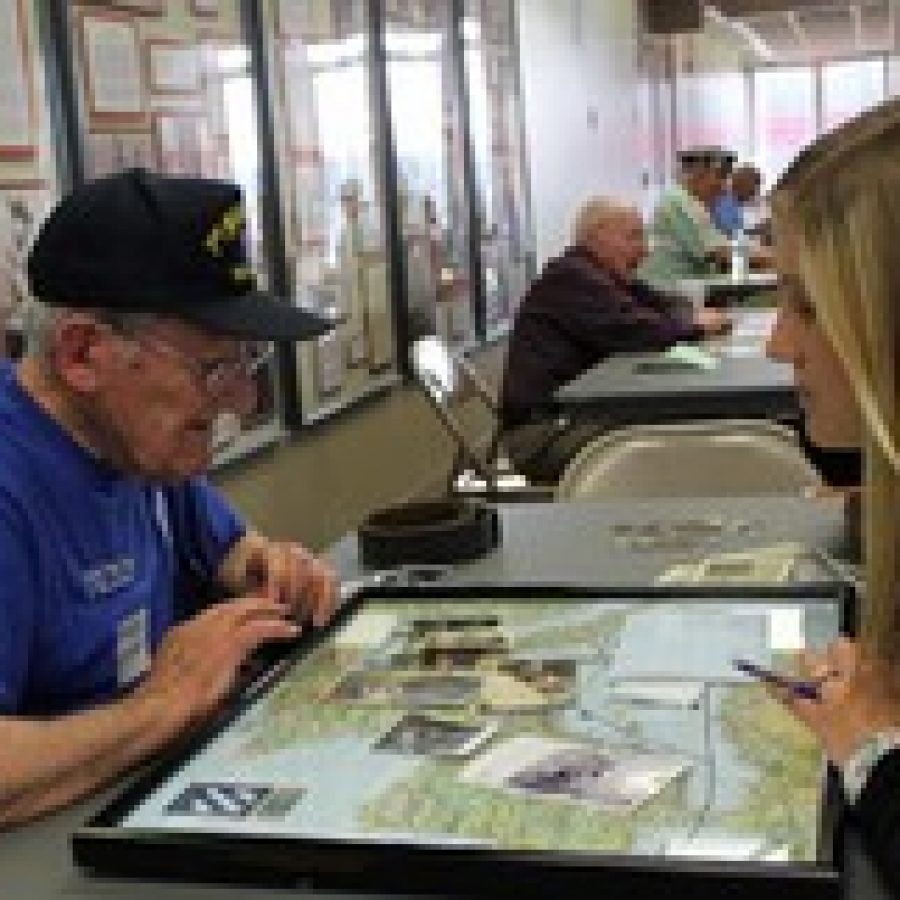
(580, 84)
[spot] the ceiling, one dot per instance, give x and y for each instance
(786, 31)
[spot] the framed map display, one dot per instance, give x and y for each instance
(545, 741)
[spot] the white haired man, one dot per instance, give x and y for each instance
(583, 307)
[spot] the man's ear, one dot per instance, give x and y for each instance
(82, 352)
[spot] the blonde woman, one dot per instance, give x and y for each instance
(836, 214)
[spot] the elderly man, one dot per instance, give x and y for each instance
(584, 306)
(107, 534)
(728, 208)
(685, 242)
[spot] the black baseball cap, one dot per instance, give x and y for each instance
(138, 241)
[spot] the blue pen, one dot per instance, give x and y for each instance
(807, 690)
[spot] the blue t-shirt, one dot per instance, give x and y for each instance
(93, 563)
(727, 214)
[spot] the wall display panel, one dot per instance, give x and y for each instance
(655, 142)
(18, 103)
(333, 197)
(173, 92)
(496, 126)
(578, 741)
(428, 139)
(28, 176)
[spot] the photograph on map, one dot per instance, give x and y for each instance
(529, 684)
(380, 687)
(424, 735)
(559, 770)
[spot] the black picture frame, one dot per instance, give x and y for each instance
(101, 847)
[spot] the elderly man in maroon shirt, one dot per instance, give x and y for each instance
(584, 306)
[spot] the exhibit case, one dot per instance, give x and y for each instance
(490, 740)
(429, 144)
(167, 85)
(331, 161)
(496, 125)
(29, 177)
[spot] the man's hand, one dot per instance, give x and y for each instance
(713, 322)
(197, 664)
(285, 573)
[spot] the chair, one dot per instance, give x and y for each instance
(449, 380)
(724, 458)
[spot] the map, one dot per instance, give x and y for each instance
(552, 723)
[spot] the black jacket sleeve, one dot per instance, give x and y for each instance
(876, 815)
(629, 320)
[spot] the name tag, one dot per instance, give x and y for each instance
(133, 647)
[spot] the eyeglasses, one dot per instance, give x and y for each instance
(218, 377)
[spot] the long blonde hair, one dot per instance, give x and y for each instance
(841, 199)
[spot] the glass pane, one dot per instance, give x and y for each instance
(333, 195)
(423, 100)
(167, 86)
(28, 178)
(850, 87)
(785, 116)
(550, 724)
(712, 111)
(495, 116)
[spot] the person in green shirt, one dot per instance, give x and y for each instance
(684, 241)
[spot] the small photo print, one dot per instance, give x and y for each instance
(407, 689)
(233, 800)
(559, 770)
(521, 685)
(422, 627)
(448, 644)
(424, 735)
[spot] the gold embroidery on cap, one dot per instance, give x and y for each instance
(243, 275)
(226, 230)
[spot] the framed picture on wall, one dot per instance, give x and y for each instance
(109, 152)
(183, 143)
(305, 19)
(329, 364)
(18, 108)
(138, 7)
(379, 327)
(111, 67)
(209, 9)
(173, 67)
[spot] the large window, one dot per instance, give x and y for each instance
(334, 199)
(850, 87)
(769, 114)
(712, 111)
(426, 122)
(495, 119)
(784, 115)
